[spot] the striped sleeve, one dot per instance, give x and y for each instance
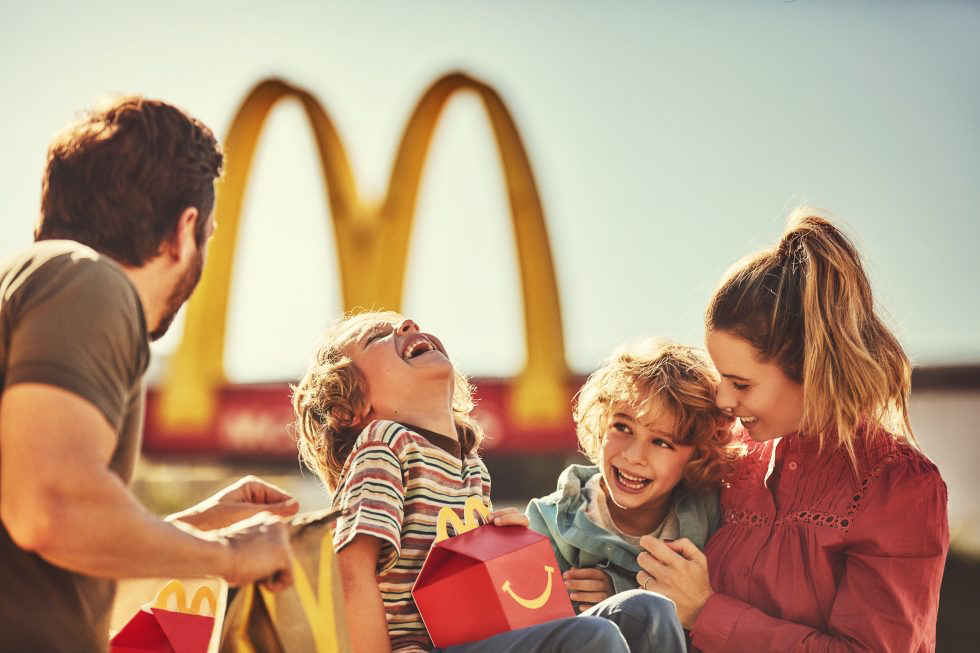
(372, 496)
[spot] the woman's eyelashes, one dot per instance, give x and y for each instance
(739, 386)
(666, 444)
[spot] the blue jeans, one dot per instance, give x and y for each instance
(647, 620)
(636, 621)
(576, 634)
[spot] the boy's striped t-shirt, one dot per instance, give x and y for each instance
(392, 487)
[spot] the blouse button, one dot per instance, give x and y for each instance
(792, 465)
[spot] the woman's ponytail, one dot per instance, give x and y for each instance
(806, 304)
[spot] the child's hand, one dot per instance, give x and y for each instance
(508, 517)
(588, 586)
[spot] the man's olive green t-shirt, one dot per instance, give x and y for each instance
(69, 317)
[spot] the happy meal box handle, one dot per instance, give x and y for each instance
(474, 506)
(176, 588)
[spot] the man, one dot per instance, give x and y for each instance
(126, 214)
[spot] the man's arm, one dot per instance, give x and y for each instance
(363, 607)
(59, 499)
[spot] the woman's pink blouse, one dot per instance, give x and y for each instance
(813, 556)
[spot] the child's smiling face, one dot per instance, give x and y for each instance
(402, 367)
(640, 464)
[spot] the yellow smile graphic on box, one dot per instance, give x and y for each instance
(535, 603)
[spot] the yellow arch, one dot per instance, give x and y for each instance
(473, 507)
(372, 247)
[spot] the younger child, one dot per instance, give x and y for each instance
(384, 419)
(647, 419)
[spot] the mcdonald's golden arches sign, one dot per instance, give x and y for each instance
(195, 409)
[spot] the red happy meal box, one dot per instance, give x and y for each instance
(155, 629)
(487, 580)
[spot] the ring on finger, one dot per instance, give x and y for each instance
(648, 579)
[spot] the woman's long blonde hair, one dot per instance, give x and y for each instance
(806, 305)
(333, 392)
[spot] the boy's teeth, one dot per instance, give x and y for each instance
(632, 482)
(415, 345)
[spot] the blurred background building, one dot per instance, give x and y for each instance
(665, 140)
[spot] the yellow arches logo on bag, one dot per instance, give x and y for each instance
(474, 506)
(372, 240)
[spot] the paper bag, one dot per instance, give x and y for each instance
(307, 617)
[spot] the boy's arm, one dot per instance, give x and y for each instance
(363, 607)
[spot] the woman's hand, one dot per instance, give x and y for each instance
(508, 517)
(588, 586)
(679, 571)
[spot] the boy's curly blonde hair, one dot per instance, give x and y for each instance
(652, 376)
(332, 393)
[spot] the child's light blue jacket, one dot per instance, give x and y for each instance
(579, 542)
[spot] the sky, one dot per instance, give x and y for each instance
(668, 140)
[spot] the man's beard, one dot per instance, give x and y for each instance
(180, 294)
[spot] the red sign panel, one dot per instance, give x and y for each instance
(252, 421)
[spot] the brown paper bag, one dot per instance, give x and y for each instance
(309, 616)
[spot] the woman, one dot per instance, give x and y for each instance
(834, 530)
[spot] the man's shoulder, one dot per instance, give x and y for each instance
(54, 262)
(45, 251)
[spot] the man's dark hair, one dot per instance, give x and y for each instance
(119, 179)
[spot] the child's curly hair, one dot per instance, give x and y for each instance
(332, 393)
(653, 375)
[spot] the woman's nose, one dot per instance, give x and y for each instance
(407, 326)
(725, 398)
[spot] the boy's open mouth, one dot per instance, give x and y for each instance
(629, 482)
(418, 346)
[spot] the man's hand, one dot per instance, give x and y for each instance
(240, 500)
(679, 571)
(508, 517)
(588, 586)
(258, 551)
